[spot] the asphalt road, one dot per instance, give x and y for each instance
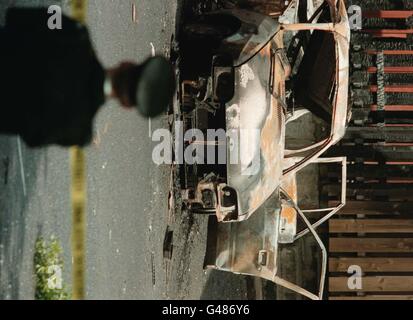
(127, 192)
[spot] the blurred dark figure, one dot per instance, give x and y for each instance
(52, 85)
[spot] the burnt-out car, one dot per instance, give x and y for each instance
(248, 76)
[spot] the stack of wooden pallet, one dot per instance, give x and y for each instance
(376, 240)
(371, 240)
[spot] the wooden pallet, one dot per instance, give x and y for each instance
(376, 236)
(375, 230)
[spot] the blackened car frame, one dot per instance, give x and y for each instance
(252, 75)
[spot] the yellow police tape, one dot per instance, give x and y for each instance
(79, 10)
(78, 198)
(78, 194)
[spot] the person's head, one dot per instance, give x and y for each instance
(149, 87)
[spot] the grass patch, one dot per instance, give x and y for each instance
(48, 269)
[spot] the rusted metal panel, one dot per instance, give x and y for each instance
(250, 247)
(340, 109)
(288, 215)
(264, 150)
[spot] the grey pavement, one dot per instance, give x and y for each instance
(127, 192)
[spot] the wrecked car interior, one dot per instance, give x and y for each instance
(260, 73)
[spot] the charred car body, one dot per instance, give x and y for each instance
(251, 75)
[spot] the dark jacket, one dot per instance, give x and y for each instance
(51, 83)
